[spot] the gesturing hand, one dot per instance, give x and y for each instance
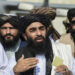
(25, 64)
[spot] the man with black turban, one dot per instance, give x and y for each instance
(9, 34)
(36, 58)
(51, 12)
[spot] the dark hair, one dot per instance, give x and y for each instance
(30, 18)
(71, 14)
(13, 20)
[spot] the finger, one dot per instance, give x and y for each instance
(30, 62)
(58, 70)
(31, 66)
(61, 69)
(31, 59)
(22, 57)
(33, 63)
(65, 71)
(61, 66)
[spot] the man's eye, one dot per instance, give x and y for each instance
(42, 28)
(32, 30)
(7, 27)
(3, 27)
(12, 27)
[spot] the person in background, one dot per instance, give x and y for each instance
(70, 37)
(38, 55)
(51, 12)
(67, 25)
(9, 34)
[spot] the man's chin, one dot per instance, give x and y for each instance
(39, 44)
(10, 40)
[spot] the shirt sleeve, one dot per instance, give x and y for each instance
(10, 66)
(3, 60)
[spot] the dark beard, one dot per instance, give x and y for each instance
(9, 43)
(73, 34)
(39, 46)
(44, 47)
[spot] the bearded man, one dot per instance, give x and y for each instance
(9, 34)
(51, 12)
(36, 58)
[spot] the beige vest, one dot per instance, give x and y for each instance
(66, 39)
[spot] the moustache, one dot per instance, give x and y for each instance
(8, 35)
(39, 37)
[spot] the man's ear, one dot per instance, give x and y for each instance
(24, 35)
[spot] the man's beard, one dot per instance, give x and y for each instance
(9, 43)
(73, 34)
(38, 47)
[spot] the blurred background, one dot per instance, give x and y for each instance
(22, 7)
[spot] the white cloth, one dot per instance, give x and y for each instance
(3, 60)
(73, 68)
(61, 50)
(11, 64)
(40, 68)
(64, 52)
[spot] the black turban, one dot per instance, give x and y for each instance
(30, 18)
(71, 14)
(13, 20)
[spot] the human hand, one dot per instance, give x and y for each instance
(63, 70)
(25, 64)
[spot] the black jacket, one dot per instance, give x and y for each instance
(27, 51)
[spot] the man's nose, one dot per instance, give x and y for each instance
(8, 30)
(38, 32)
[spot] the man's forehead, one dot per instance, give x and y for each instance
(7, 24)
(35, 24)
